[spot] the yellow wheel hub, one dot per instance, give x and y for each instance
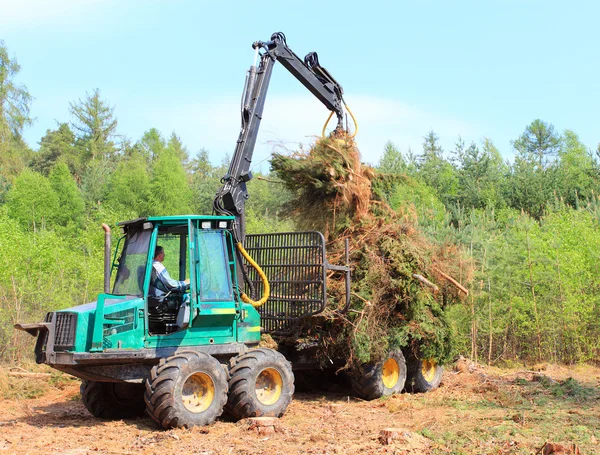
(198, 392)
(269, 385)
(428, 369)
(390, 373)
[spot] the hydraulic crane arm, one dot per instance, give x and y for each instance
(231, 198)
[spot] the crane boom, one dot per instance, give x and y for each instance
(231, 198)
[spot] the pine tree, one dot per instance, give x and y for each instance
(15, 100)
(176, 146)
(15, 103)
(95, 126)
(392, 161)
(204, 182)
(540, 141)
(480, 176)
(533, 174)
(436, 171)
(152, 145)
(58, 146)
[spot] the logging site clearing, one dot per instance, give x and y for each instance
(312, 320)
(543, 409)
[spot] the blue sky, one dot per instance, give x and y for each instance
(471, 68)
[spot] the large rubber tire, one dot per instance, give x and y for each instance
(261, 383)
(423, 375)
(384, 378)
(113, 400)
(185, 390)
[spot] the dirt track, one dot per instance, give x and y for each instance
(473, 412)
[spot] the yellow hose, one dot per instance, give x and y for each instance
(326, 123)
(353, 119)
(261, 274)
(351, 115)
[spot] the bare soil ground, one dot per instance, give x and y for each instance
(475, 411)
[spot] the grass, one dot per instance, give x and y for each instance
(518, 417)
(19, 387)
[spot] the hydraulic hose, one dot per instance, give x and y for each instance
(351, 115)
(261, 274)
(326, 123)
(353, 119)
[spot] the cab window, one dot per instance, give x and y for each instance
(132, 262)
(215, 276)
(174, 240)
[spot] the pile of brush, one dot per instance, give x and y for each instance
(401, 280)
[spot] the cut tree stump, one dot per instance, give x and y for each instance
(263, 425)
(387, 435)
(550, 448)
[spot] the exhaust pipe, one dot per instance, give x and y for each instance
(106, 258)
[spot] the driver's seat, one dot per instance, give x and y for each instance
(162, 314)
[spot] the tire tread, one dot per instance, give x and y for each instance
(241, 402)
(159, 398)
(368, 383)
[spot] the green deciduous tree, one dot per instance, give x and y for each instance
(129, 186)
(534, 294)
(264, 207)
(32, 201)
(70, 210)
(169, 190)
(576, 176)
(46, 272)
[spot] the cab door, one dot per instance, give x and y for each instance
(194, 266)
(215, 297)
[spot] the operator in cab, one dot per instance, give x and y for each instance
(161, 285)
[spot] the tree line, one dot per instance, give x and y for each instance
(528, 226)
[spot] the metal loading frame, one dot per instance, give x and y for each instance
(296, 267)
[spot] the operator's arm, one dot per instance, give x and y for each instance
(169, 283)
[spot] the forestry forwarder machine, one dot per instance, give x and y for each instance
(185, 357)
